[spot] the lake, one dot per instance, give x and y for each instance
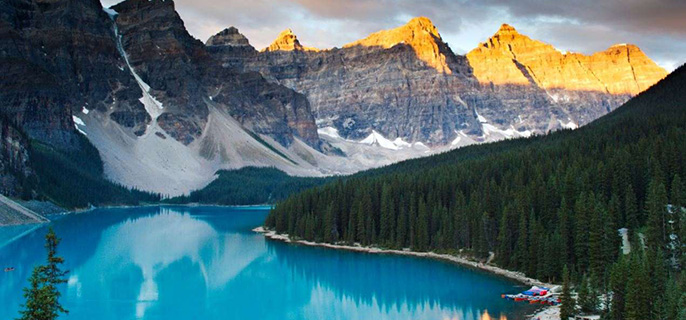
(205, 263)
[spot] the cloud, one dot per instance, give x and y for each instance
(657, 26)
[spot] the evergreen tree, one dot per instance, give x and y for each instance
(588, 296)
(567, 251)
(656, 203)
(422, 227)
(42, 297)
(631, 209)
(581, 232)
(618, 279)
(596, 241)
(638, 306)
(386, 224)
(568, 305)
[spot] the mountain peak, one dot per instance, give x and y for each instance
(423, 24)
(287, 41)
(512, 58)
(420, 34)
(419, 29)
(506, 29)
(228, 37)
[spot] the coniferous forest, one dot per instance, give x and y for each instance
(74, 178)
(541, 205)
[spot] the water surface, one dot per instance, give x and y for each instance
(205, 263)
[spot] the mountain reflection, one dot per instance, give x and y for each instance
(152, 244)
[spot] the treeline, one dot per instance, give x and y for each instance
(539, 204)
(249, 185)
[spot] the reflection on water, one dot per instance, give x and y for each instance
(205, 263)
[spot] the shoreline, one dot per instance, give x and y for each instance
(513, 275)
(147, 205)
(66, 212)
(545, 313)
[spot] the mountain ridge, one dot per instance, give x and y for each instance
(548, 68)
(371, 77)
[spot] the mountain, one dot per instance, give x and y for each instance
(406, 83)
(540, 205)
(578, 88)
(166, 112)
(163, 114)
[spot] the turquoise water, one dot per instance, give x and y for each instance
(205, 263)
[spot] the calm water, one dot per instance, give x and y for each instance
(205, 263)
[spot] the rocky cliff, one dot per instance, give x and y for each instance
(17, 179)
(549, 88)
(147, 94)
(406, 83)
(182, 76)
(512, 58)
(59, 58)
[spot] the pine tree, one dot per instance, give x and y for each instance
(401, 229)
(638, 290)
(656, 202)
(618, 279)
(596, 240)
(568, 305)
(631, 210)
(42, 297)
(385, 226)
(422, 227)
(581, 231)
(521, 252)
(567, 251)
(588, 296)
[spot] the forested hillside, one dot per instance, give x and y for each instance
(249, 185)
(539, 204)
(74, 178)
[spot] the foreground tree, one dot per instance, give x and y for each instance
(42, 296)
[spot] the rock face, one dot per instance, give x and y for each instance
(512, 58)
(15, 170)
(185, 79)
(58, 58)
(407, 83)
(230, 37)
(287, 41)
(149, 96)
(535, 77)
(378, 83)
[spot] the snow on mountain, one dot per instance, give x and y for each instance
(376, 138)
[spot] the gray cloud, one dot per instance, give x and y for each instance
(657, 26)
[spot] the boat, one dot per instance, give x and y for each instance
(8, 269)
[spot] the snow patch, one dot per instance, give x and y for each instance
(79, 124)
(480, 117)
(568, 125)
(376, 138)
(152, 105)
(400, 142)
(329, 131)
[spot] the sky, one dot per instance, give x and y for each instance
(658, 27)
